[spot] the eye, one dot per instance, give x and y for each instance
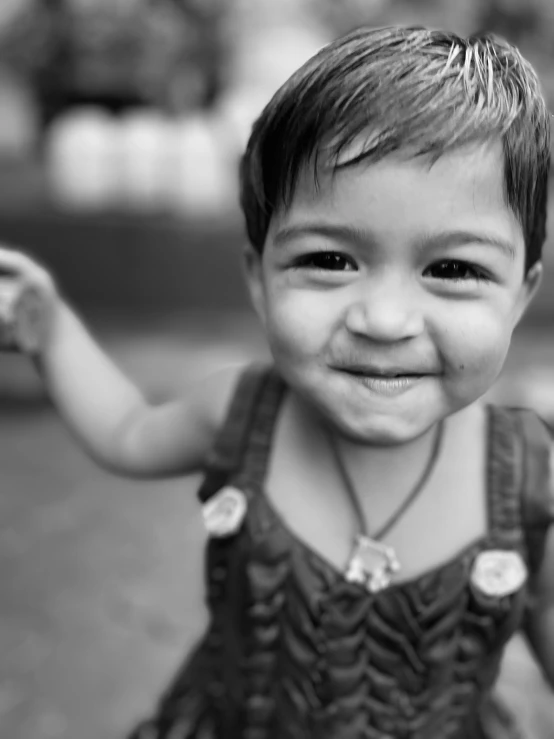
(330, 261)
(456, 270)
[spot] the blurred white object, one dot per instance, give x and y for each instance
(83, 159)
(204, 181)
(263, 62)
(240, 107)
(147, 151)
(270, 56)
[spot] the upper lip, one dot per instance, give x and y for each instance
(375, 370)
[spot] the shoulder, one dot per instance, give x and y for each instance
(537, 458)
(537, 491)
(214, 395)
(534, 432)
(178, 436)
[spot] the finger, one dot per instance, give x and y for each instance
(21, 267)
(31, 317)
(15, 261)
(25, 269)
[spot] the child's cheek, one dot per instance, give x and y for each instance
(475, 354)
(299, 327)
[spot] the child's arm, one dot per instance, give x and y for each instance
(105, 410)
(540, 623)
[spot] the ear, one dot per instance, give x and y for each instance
(531, 284)
(252, 261)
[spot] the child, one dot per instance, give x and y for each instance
(378, 532)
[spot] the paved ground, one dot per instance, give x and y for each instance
(101, 576)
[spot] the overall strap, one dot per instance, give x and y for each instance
(537, 493)
(232, 439)
(504, 478)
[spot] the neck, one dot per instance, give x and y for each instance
(397, 464)
(392, 467)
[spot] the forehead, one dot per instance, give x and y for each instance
(402, 198)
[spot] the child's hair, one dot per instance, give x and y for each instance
(415, 90)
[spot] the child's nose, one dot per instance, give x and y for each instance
(386, 310)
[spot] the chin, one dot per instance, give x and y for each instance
(373, 427)
(380, 432)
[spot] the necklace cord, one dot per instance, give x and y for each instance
(406, 503)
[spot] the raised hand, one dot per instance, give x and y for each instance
(28, 298)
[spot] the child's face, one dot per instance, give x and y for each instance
(394, 267)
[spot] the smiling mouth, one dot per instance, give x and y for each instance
(381, 375)
(385, 385)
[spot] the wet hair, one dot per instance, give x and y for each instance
(410, 90)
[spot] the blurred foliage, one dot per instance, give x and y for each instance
(28, 37)
(175, 53)
(162, 52)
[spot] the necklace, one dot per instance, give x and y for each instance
(371, 562)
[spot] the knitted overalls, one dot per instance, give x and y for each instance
(294, 650)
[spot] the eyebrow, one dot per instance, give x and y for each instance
(354, 235)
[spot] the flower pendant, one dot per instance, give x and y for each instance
(371, 564)
(497, 573)
(224, 513)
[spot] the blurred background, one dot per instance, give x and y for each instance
(121, 126)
